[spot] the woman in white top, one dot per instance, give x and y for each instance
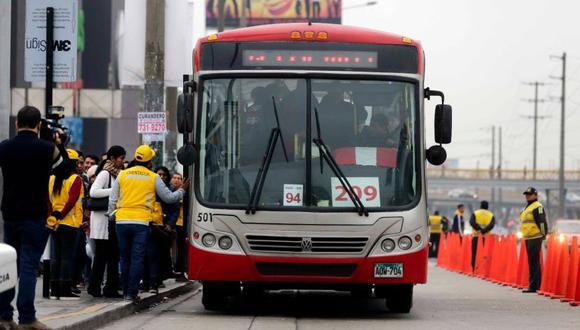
(106, 246)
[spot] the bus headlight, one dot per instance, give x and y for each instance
(388, 245)
(225, 242)
(405, 243)
(208, 240)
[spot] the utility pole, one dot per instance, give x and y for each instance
(244, 16)
(5, 101)
(155, 60)
(499, 165)
(561, 179)
(5, 21)
(492, 168)
(221, 5)
(535, 117)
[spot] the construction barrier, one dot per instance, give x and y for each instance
(497, 260)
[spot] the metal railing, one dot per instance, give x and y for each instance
(507, 174)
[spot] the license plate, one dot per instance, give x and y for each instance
(394, 270)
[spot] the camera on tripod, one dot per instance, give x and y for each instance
(51, 125)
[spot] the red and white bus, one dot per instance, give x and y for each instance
(306, 142)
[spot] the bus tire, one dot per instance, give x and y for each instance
(215, 295)
(399, 298)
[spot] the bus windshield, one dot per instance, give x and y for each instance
(369, 127)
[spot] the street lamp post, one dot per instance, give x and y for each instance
(360, 5)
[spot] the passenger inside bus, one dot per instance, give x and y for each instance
(337, 120)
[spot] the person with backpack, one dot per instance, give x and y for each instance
(102, 231)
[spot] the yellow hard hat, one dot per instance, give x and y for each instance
(144, 153)
(72, 154)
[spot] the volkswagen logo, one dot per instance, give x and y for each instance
(306, 244)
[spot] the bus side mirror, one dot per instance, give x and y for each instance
(187, 155)
(443, 123)
(436, 155)
(185, 113)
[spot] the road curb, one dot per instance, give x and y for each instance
(113, 315)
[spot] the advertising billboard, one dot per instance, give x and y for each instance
(260, 12)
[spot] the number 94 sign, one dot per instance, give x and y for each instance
(367, 189)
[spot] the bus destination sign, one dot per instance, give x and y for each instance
(310, 58)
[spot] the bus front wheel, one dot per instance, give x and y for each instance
(399, 298)
(215, 294)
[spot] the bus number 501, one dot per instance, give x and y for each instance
(204, 217)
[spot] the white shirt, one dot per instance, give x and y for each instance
(99, 221)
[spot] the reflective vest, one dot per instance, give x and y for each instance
(74, 217)
(180, 218)
(157, 214)
(483, 219)
(435, 224)
(136, 200)
(528, 227)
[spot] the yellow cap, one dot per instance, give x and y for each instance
(72, 154)
(144, 153)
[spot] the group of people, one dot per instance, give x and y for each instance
(115, 225)
(533, 229)
(87, 242)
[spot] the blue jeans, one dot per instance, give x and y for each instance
(133, 240)
(29, 239)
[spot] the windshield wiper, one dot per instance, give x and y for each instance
(279, 129)
(327, 156)
(266, 161)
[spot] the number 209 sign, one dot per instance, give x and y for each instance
(367, 189)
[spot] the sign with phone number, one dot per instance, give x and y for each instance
(151, 122)
(367, 189)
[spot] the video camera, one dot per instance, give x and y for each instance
(51, 126)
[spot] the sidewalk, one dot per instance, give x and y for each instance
(92, 313)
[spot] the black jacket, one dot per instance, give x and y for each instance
(27, 163)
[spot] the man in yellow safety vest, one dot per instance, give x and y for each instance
(132, 201)
(533, 226)
(482, 221)
(436, 224)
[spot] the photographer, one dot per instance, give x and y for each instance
(27, 163)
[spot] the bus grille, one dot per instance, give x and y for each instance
(284, 269)
(294, 244)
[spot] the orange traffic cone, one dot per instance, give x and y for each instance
(467, 269)
(495, 260)
(456, 255)
(572, 271)
(480, 258)
(523, 274)
(553, 274)
(562, 276)
(441, 250)
(576, 295)
(500, 262)
(511, 275)
(547, 270)
(548, 267)
(489, 248)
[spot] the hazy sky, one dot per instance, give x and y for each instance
(479, 53)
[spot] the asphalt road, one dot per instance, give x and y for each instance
(448, 301)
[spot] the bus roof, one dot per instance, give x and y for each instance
(334, 33)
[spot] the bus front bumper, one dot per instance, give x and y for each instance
(208, 266)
